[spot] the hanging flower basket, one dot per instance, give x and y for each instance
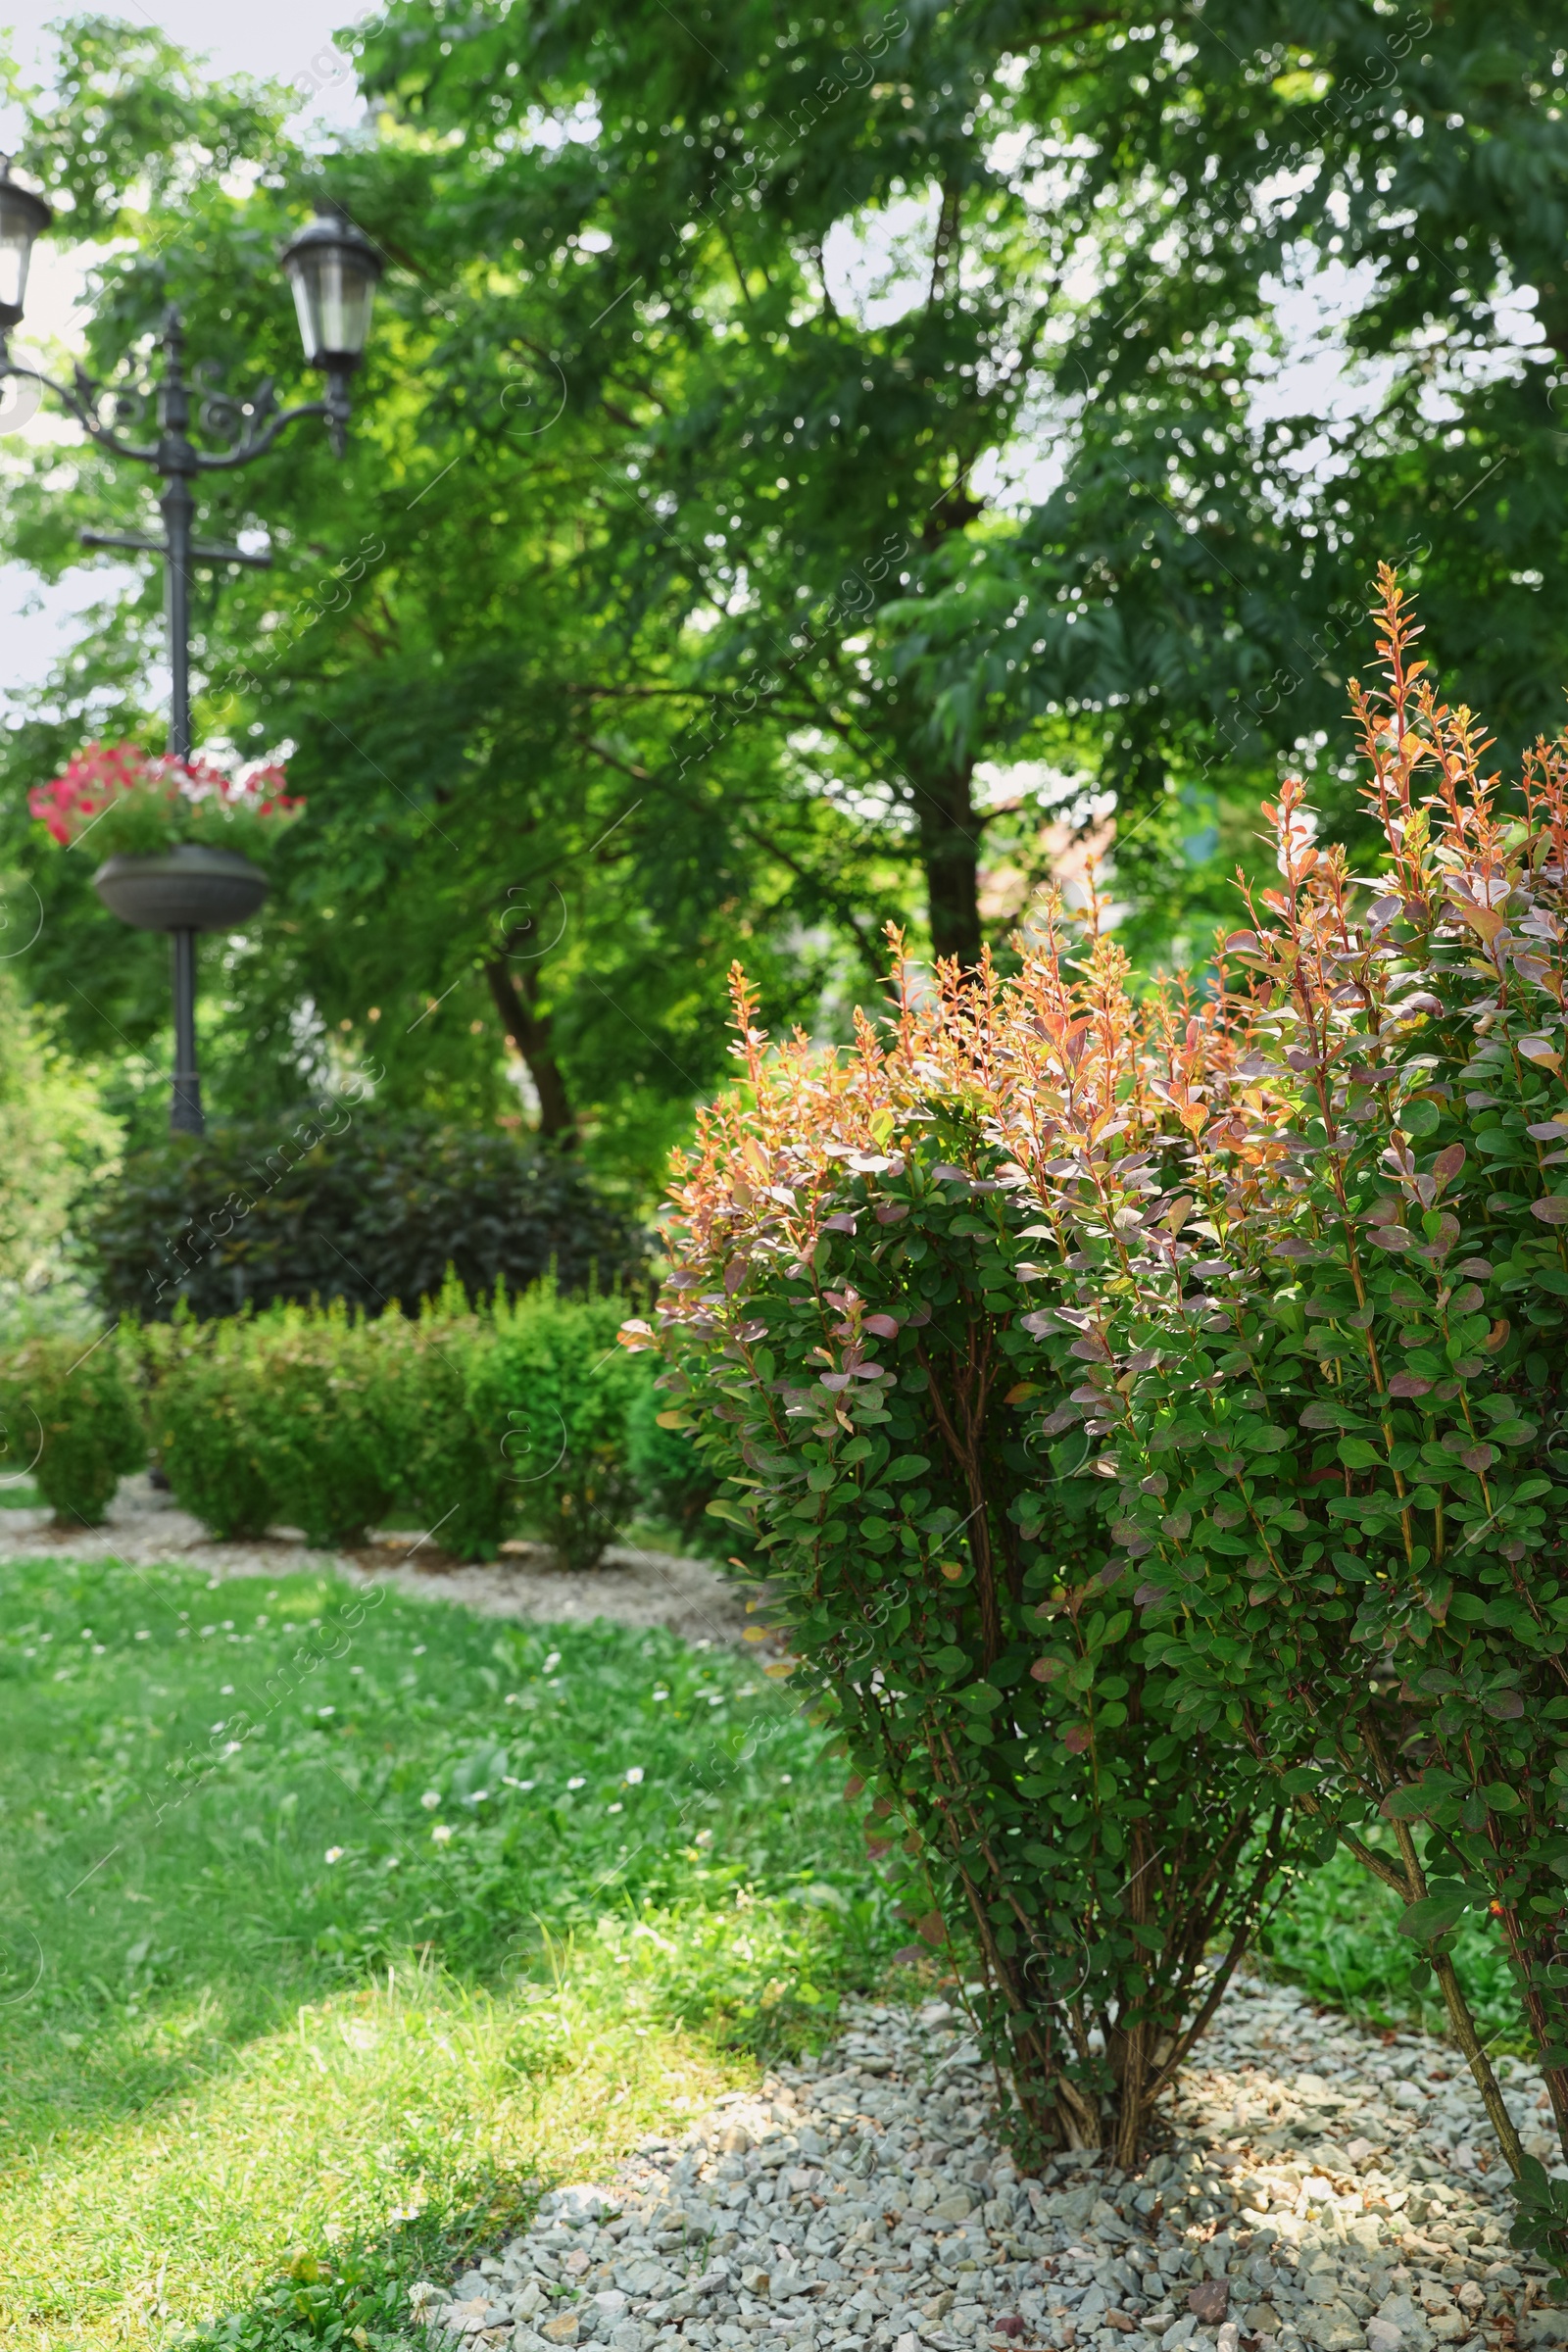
(177, 836)
(189, 888)
(136, 804)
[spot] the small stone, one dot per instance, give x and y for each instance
(1264, 2320)
(1383, 2336)
(561, 2329)
(1360, 2151)
(1208, 2300)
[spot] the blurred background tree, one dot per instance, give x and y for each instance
(808, 471)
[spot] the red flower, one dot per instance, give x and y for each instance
(102, 774)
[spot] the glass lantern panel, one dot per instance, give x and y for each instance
(19, 227)
(332, 296)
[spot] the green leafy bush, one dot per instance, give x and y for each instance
(195, 1395)
(444, 1472)
(277, 1419)
(851, 1329)
(1294, 1323)
(344, 1202)
(552, 1394)
(674, 1480)
(67, 1415)
(467, 1423)
(1375, 1375)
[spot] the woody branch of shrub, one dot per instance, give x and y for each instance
(852, 1329)
(1341, 1465)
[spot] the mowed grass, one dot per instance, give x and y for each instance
(335, 1924)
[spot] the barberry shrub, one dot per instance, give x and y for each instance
(1371, 1590)
(1109, 1383)
(853, 1329)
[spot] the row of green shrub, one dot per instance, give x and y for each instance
(520, 1418)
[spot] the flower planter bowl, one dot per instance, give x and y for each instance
(187, 888)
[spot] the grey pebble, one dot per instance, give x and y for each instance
(860, 2203)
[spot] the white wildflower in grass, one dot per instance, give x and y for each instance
(335, 1853)
(441, 1833)
(615, 1809)
(704, 1837)
(420, 1649)
(227, 1691)
(510, 1699)
(634, 1776)
(579, 1783)
(788, 1777)
(324, 1712)
(659, 1695)
(430, 1799)
(553, 1662)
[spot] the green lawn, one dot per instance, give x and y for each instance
(332, 1920)
(1338, 1936)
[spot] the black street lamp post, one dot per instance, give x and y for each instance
(333, 269)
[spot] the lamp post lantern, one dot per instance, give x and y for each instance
(332, 268)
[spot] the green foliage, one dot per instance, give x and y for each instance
(1299, 1271)
(273, 1419)
(847, 1329)
(67, 1416)
(470, 1424)
(1338, 1460)
(58, 1149)
(552, 1394)
(346, 1203)
(672, 1477)
(1338, 1935)
(443, 1470)
(699, 630)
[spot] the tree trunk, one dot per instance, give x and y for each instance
(516, 998)
(949, 851)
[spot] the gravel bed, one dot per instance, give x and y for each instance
(862, 2201)
(634, 1586)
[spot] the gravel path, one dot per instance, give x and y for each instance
(634, 1586)
(860, 2202)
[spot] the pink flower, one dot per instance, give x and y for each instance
(103, 775)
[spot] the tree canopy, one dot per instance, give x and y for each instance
(804, 462)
